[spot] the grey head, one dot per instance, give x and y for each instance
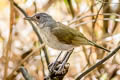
(41, 19)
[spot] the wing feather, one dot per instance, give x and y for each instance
(68, 35)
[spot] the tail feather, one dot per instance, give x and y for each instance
(96, 45)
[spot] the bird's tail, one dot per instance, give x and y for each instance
(96, 45)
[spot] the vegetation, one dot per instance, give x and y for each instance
(24, 56)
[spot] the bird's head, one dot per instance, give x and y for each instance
(40, 19)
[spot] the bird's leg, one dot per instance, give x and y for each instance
(64, 61)
(53, 64)
(58, 69)
(54, 67)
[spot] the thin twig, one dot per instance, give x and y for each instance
(43, 67)
(102, 1)
(98, 63)
(87, 58)
(25, 74)
(8, 46)
(86, 11)
(71, 7)
(90, 15)
(34, 3)
(23, 60)
(115, 25)
(90, 21)
(97, 16)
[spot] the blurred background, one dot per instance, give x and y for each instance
(98, 20)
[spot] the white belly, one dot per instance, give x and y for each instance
(52, 41)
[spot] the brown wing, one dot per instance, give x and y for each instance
(68, 35)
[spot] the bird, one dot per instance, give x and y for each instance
(59, 36)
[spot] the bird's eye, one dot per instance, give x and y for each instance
(38, 17)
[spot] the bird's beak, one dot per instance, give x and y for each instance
(29, 18)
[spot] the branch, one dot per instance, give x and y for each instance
(43, 67)
(25, 74)
(90, 21)
(90, 15)
(71, 7)
(93, 26)
(97, 64)
(8, 46)
(104, 2)
(97, 16)
(23, 60)
(35, 30)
